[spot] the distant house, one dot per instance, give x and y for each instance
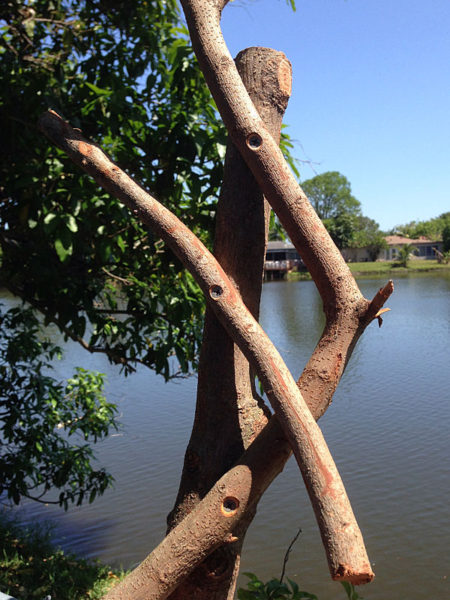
(356, 254)
(425, 248)
(281, 257)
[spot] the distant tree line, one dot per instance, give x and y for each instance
(437, 228)
(331, 196)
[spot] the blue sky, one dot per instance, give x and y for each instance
(371, 94)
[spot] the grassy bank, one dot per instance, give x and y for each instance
(380, 269)
(392, 268)
(31, 567)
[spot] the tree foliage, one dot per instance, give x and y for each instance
(433, 228)
(41, 417)
(137, 89)
(32, 567)
(331, 195)
(332, 199)
(71, 252)
(275, 589)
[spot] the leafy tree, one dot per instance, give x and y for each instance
(404, 254)
(332, 199)
(137, 89)
(331, 195)
(432, 229)
(368, 235)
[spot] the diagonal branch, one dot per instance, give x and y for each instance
(340, 533)
(262, 154)
(347, 311)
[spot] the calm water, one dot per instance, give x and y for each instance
(388, 429)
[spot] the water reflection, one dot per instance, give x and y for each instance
(292, 316)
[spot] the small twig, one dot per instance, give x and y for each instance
(375, 309)
(288, 551)
(121, 279)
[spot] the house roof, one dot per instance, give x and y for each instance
(280, 245)
(398, 240)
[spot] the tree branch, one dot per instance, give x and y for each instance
(343, 541)
(114, 357)
(345, 308)
(247, 130)
(346, 320)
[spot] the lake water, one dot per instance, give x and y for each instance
(388, 430)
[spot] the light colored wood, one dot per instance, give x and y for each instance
(340, 533)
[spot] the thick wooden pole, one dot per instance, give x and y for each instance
(229, 414)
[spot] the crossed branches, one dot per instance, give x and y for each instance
(216, 518)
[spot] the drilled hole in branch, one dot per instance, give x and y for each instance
(230, 506)
(254, 141)
(215, 291)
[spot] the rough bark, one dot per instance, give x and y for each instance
(340, 534)
(226, 399)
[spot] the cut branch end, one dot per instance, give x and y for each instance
(346, 573)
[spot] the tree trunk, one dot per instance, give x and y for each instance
(229, 413)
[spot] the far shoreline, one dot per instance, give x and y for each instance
(381, 269)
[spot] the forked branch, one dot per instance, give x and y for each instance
(346, 310)
(343, 541)
(264, 158)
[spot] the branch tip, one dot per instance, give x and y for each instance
(375, 309)
(381, 311)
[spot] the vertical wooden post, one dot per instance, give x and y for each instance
(229, 413)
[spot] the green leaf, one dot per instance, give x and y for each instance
(49, 218)
(62, 251)
(350, 590)
(99, 91)
(221, 150)
(71, 223)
